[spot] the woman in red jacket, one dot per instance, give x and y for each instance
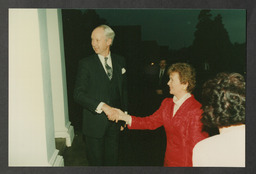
(179, 115)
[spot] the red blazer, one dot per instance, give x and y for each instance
(183, 130)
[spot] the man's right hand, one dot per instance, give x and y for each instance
(123, 116)
(111, 113)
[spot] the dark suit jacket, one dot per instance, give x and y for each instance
(93, 86)
(163, 84)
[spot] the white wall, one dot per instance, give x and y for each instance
(63, 128)
(31, 111)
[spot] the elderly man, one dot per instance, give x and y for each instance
(101, 85)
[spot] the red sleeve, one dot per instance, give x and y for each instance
(150, 122)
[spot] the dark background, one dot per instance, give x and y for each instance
(210, 52)
(249, 5)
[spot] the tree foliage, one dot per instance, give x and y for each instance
(212, 44)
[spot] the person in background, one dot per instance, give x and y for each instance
(179, 115)
(162, 89)
(101, 85)
(224, 106)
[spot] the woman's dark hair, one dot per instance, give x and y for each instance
(223, 100)
(186, 74)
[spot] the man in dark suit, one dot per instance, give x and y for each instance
(101, 86)
(161, 80)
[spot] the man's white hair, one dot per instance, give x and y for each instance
(109, 33)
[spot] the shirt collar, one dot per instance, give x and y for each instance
(182, 100)
(102, 57)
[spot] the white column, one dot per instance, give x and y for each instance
(63, 128)
(31, 121)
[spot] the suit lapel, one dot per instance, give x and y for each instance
(116, 67)
(117, 72)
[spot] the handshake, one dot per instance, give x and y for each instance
(115, 114)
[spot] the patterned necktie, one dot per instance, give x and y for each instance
(108, 68)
